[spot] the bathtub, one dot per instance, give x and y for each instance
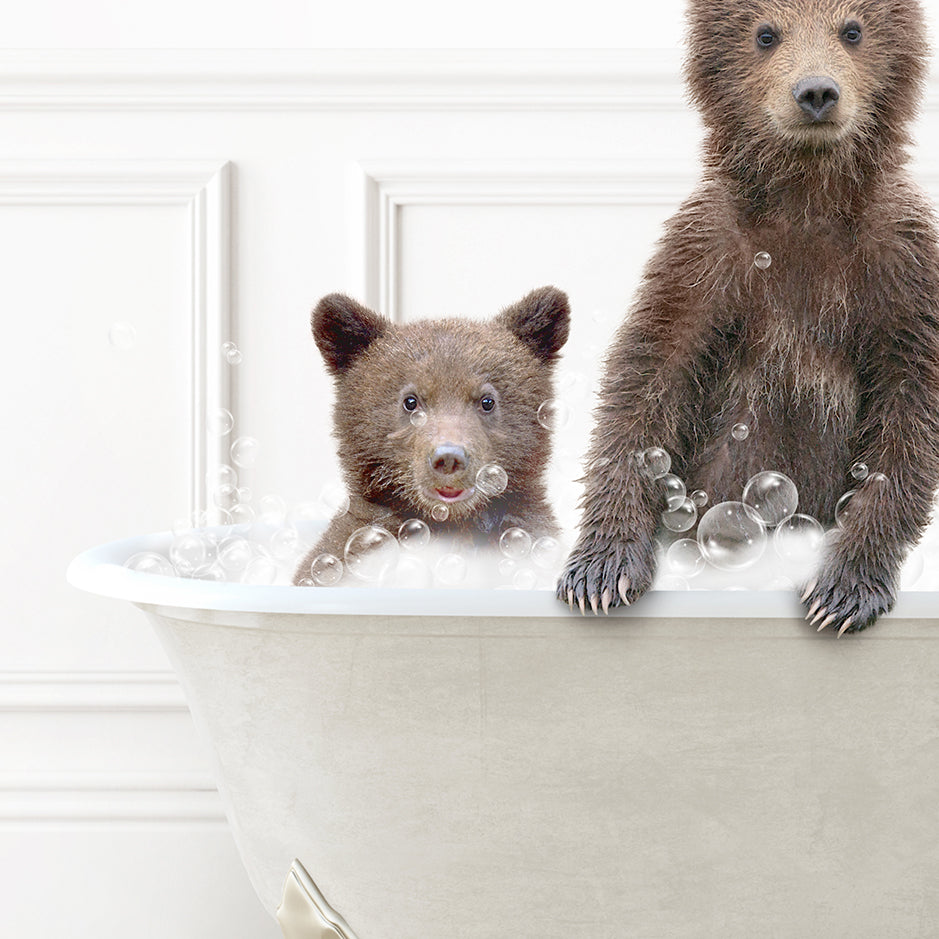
(451, 764)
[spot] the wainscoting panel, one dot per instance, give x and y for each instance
(155, 205)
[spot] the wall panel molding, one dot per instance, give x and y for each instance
(330, 79)
(389, 187)
(85, 691)
(65, 795)
(327, 79)
(202, 189)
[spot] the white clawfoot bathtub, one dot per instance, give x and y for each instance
(452, 764)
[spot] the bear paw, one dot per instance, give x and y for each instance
(606, 574)
(843, 599)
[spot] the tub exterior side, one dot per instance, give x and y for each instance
(473, 777)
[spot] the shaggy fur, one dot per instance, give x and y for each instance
(831, 355)
(480, 385)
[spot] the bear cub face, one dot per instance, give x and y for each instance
(782, 79)
(421, 408)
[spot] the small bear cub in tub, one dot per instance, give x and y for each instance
(438, 430)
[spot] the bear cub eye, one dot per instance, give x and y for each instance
(410, 402)
(487, 402)
(851, 33)
(766, 37)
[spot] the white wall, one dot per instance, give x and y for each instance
(227, 190)
(231, 24)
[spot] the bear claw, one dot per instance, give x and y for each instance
(828, 621)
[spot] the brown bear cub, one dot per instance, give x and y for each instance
(796, 292)
(422, 408)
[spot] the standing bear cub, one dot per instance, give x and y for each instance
(437, 420)
(796, 292)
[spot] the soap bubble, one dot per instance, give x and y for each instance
(440, 513)
(334, 499)
(231, 353)
(244, 494)
(234, 555)
(772, 496)
(261, 571)
(700, 498)
(220, 422)
(515, 543)
(546, 552)
(412, 572)
(731, 536)
(524, 579)
(221, 475)
(876, 479)
(554, 414)
(491, 479)
(187, 552)
(740, 432)
(843, 508)
(413, 534)
(285, 543)
(242, 514)
(371, 553)
(419, 418)
(859, 471)
(673, 489)
(244, 451)
(798, 536)
(913, 568)
(305, 512)
(122, 336)
(681, 518)
(574, 385)
(451, 570)
(326, 570)
(655, 461)
(225, 496)
(762, 260)
(272, 510)
(149, 562)
(212, 572)
(684, 557)
(506, 567)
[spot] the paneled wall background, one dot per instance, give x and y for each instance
(154, 205)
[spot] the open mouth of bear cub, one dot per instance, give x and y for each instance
(452, 493)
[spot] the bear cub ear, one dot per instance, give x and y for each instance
(541, 320)
(344, 329)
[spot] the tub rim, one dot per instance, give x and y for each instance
(100, 570)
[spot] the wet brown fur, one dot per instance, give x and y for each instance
(449, 365)
(831, 355)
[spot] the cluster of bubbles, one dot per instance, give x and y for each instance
(256, 542)
(263, 542)
(416, 557)
(733, 536)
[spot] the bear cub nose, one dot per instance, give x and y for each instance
(817, 96)
(448, 459)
